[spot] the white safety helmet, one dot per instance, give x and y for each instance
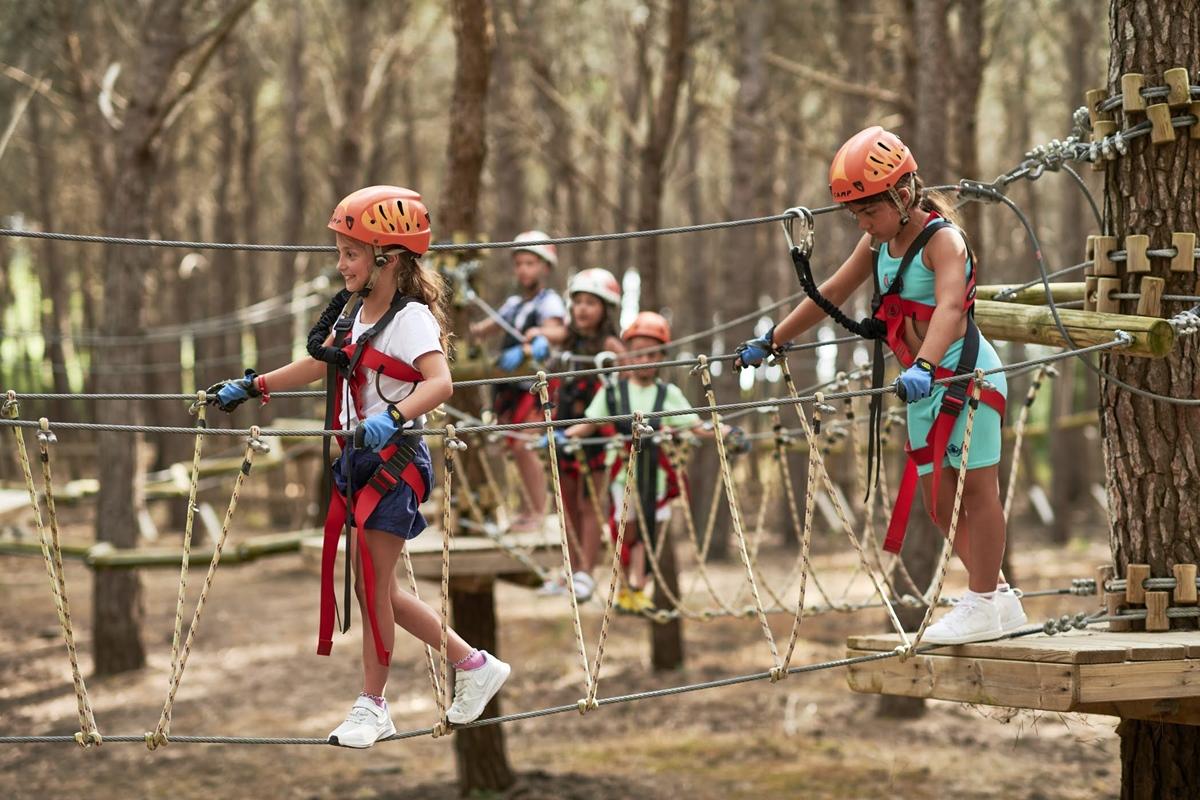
(599, 282)
(546, 252)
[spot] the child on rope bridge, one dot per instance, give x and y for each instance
(535, 312)
(595, 296)
(386, 362)
(658, 484)
(924, 278)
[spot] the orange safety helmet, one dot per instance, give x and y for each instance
(384, 216)
(870, 162)
(649, 324)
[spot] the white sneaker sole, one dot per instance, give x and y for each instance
(390, 730)
(497, 680)
(968, 638)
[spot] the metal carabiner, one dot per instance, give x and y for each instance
(806, 238)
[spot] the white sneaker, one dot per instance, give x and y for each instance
(366, 724)
(552, 588)
(971, 620)
(474, 688)
(584, 586)
(1008, 604)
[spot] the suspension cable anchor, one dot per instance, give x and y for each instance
(10, 409)
(255, 441)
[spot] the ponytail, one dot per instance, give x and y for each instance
(934, 200)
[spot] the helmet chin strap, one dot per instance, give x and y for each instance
(892, 193)
(378, 259)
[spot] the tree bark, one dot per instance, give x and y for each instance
(653, 157)
(1152, 449)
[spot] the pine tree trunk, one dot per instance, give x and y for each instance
(653, 159)
(480, 755)
(1152, 449)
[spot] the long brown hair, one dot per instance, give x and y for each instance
(583, 344)
(933, 200)
(414, 280)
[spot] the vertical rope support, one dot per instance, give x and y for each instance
(1022, 419)
(442, 699)
(734, 511)
(810, 501)
(693, 537)
(799, 526)
(430, 665)
(817, 462)
(972, 407)
(200, 408)
(639, 427)
(88, 733)
(162, 733)
(543, 391)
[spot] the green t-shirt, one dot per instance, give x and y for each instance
(641, 398)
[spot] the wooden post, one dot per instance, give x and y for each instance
(480, 757)
(666, 638)
(1185, 247)
(1114, 603)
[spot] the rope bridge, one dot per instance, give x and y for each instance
(765, 597)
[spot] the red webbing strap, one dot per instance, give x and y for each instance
(933, 451)
(365, 502)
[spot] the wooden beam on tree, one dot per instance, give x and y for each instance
(1152, 337)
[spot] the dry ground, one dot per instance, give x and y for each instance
(254, 672)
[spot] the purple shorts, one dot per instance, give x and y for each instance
(398, 511)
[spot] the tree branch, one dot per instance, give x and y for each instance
(837, 84)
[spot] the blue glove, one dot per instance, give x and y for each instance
(560, 440)
(229, 394)
(539, 348)
(375, 431)
(916, 382)
(752, 352)
(512, 358)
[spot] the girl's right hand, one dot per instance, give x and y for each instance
(229, 394)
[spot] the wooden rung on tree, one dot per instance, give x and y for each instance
(1131, 92)
(1105, 289)
(1092, 98)
(1185, 584)
(1185, 247)
(1180, 90)
(1156, 611)
(1102, 248)
(1150, 292)
(1135, 592)
(1153, 337)
(1091, 284)
(1161, 130)
(1114, 604)
(1136, 260)
(1194, 110)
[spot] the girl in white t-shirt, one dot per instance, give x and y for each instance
(381, 232)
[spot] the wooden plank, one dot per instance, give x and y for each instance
(1071, 648)
(1023, 684)
(1138, 680)
(1148, 646)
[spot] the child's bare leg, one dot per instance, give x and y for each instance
(982, 515)
(637, 565)
(572, 487)
(589, 525)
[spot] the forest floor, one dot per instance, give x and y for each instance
(253, 672)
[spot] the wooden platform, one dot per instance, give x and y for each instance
(471, 557)
(1151, 676)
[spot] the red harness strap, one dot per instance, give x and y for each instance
(673, 480)
(933, 452)
(365, 502)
